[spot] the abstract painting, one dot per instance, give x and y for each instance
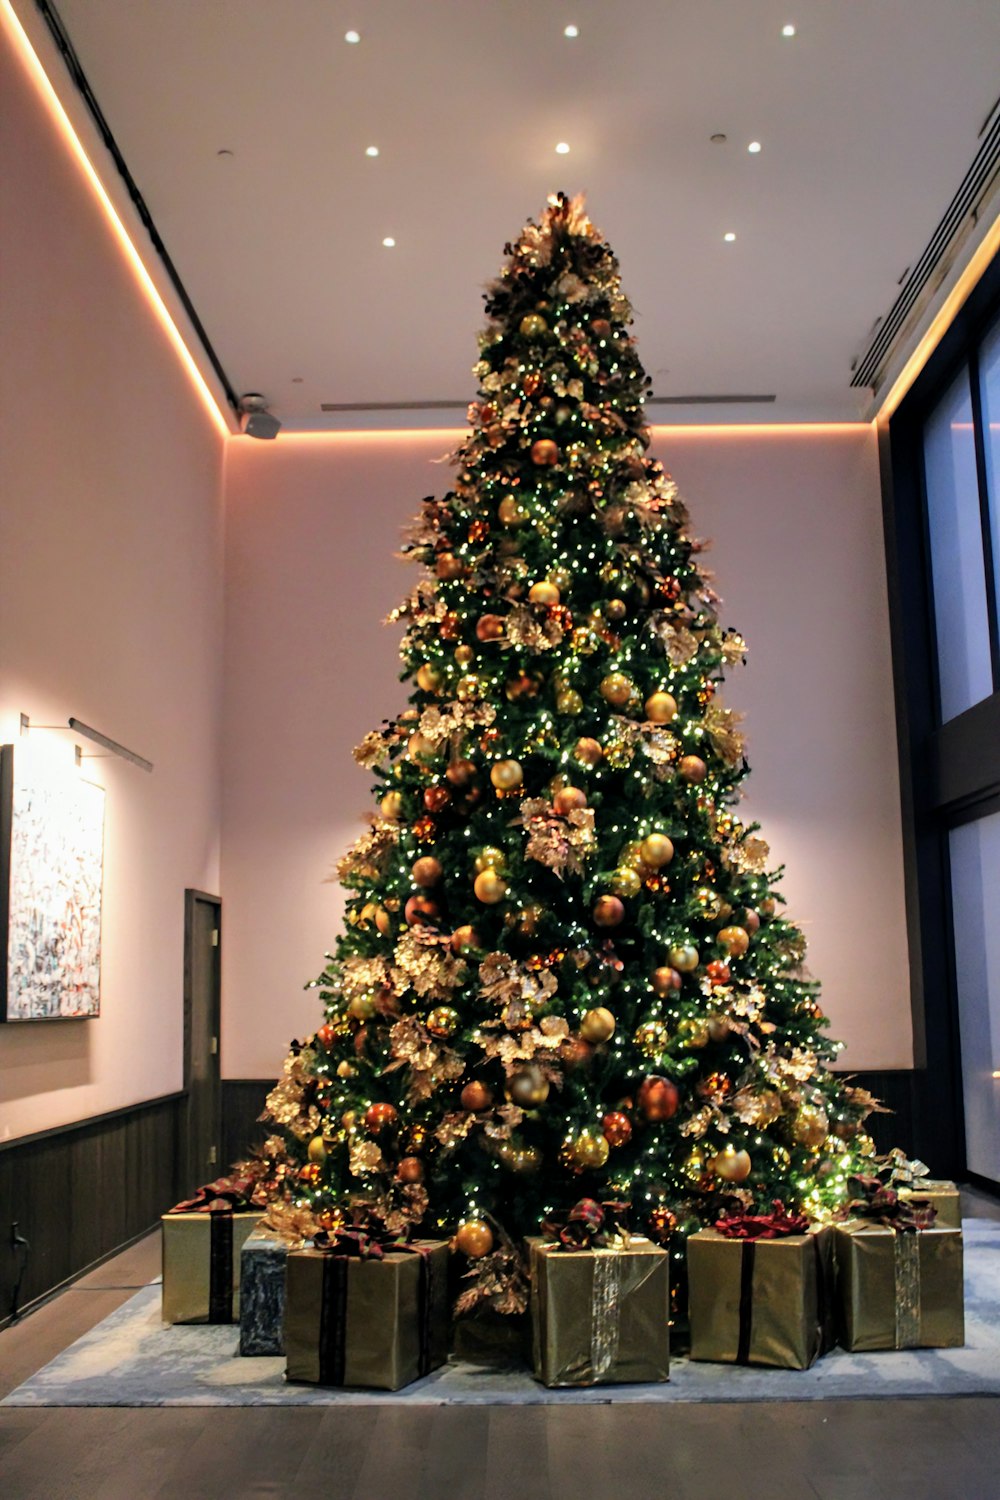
(51, 872)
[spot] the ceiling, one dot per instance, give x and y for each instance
(868, 118)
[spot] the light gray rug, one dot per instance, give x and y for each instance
(133, 1359)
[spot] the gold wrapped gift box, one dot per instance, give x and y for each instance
(940, 1195)
(201, 1265)
(375, 1323)
(899, 1290)
(760, 1301)
(600, 1317)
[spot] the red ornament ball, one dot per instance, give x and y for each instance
(544, 452)
(419, 912)
(427, 870)
(658, 1098)
(379, 1117)
(410, 1169)
(476, 1097)
(617, 1128)
(608, 911)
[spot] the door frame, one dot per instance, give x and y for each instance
(191, 898)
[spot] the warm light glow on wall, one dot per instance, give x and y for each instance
(64, 126)
(661, 433)
(941, 322)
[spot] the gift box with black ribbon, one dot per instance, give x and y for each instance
(202, 1242)
(360, 1313)
(900, 1277)
(760, 1290)
(600, 1302)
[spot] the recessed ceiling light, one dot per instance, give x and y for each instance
(353, 37)
(788, 30)
(718, 139)
(754, 147)
(297, 379)
(389, 242)
(729, 236)
(562, 148)
(571, 31)
(224, 151)
(373, 150)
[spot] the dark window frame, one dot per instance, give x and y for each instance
(949, 772)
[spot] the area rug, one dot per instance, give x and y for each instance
(133, 1359)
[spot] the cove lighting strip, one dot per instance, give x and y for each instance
(53, 104)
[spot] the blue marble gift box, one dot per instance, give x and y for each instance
(262, 1293)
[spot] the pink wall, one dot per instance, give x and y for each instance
(312, 524)
(110, 606)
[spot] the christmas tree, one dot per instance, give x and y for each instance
(565, 972)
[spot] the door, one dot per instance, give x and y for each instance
(202, 1011)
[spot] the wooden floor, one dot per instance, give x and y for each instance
(849, 1450)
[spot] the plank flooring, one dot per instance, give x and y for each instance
(849, 1450)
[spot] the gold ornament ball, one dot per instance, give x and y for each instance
(476, 1097)
(590, 1151)
(543, 593)
(464, 939)
(810, 1127)
(489, 887)
(469, 688)
(767, 907)
(420, 748)
(490, 858)
(735, 940)
(588, 752)
(349, 1119)
(608, 911)
(464, 655)
(664, 980)
(506, 775)
(488, 628)
(511, 512)
(448, 566)
(474, 1238)
(651, 1038)
(442, 1021)
(692, 768)
(598, 1025)
(362, 1007)
(616, 689)
(429, 678)
(656, 851)
(527, 1160)
(732, 1165)
(569, 701)
(383, 921)
(391, 806)
(616, 610)
(569, 799)
(626, 882)
(693, 1032)
(528, 1087)
(533, 325)
(661, 708)
(684, 958)
(316, 1150)
(544, 453)
(427, 870)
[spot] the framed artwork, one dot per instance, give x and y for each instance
(51, 874)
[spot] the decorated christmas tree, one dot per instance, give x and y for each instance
(565, 972)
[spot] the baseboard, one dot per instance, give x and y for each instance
(82, 1192)
(95, 1265)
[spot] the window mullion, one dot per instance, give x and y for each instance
(979, 439)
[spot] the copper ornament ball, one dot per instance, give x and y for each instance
(379, 1117)
(410, 1169)
(528, 1087)
(489, 628)
(665, 979)
(616, 689)
(617, 1128)
(588, 751)
(326, 1035)
(735, 940)
(569, 799)
(692, 768)
(464, 939)
(544, 452)
(461, 772)
(427, 870)
(420, 912)
(476, 1097)
(608, 911)
(448, 566)
(442, 1021)
(436, 798)
(658, 1098)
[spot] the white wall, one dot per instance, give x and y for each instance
(312, 524)
(110, 606)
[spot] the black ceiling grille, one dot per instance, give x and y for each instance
(737, 400)
(974, 186)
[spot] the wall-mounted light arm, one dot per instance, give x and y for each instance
(109, 744)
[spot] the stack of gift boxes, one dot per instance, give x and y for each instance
(356, 1309)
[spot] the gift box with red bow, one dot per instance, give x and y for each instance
(202, 1242)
